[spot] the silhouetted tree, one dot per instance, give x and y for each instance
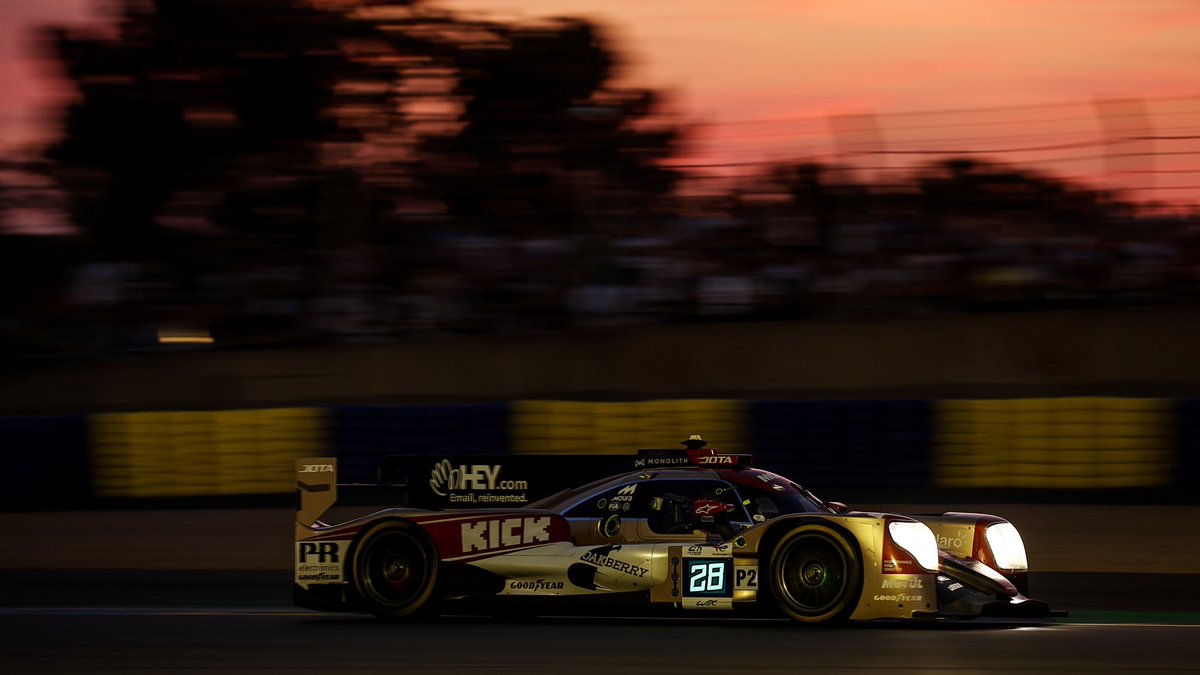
(545, 141)
(969, 187)
(219, 114)
(195, 104)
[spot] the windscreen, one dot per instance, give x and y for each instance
(770, 495)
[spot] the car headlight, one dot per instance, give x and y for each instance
(918, 540)
(1007, 548)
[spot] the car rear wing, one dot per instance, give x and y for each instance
(316, 488)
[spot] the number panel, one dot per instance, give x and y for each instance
(707, 577)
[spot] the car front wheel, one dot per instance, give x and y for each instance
(816, 574)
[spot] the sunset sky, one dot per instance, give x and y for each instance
(762, 78)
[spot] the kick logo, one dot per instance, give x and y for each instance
(488, 535)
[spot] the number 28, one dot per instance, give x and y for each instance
(707, 577)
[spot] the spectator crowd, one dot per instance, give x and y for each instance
(747, 255)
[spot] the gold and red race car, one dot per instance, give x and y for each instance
(689, 530)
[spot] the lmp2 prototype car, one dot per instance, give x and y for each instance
(689, 530)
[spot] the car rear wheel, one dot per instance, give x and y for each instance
(816, 574)
(395, 570)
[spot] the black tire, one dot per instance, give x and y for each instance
(395, 569)
(816, 574)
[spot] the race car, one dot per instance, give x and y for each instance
(690, 530)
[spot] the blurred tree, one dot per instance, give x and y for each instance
(36, 256)
(544, 141)
(194, 104)
(235, 116)
(965, 187)
(813, 193)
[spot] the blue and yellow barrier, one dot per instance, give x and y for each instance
(183, 454)
(362, 435)
(44, 458)
(868, 444)
(588, 428)
(1187, 440)
(1077, 443)
(1071, 443)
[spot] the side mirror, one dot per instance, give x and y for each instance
(838, 507)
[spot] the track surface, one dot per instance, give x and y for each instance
(170, 591)
(158, 621)
(258, 640)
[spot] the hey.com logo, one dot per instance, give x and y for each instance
(446, 478)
